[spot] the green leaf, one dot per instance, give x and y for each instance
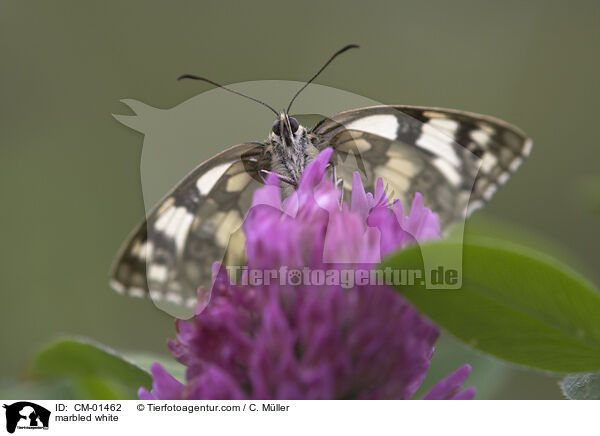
(99, 373)
(581, 386)
(514, 303)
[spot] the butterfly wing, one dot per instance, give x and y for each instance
(169, 256)
(455, 159)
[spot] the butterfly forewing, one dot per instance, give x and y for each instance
(170, 255)
(455, 159)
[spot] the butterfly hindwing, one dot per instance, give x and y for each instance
(170, 254)
(455, 159)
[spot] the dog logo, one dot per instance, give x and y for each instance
(26, 415)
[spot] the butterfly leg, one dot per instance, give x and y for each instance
(265, 173)
(339, 183)
(341, 188)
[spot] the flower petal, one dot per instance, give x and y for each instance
(164, 386)
(449, 388)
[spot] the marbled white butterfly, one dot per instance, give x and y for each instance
(455, 159)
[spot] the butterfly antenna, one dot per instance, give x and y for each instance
(335, 55)
(204, 79)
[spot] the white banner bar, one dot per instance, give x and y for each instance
(301, 417)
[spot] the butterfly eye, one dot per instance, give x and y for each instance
(294, 124)
(275, 127)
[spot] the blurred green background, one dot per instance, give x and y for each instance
(69, 172)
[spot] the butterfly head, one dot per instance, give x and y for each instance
(286, 131)
(291, 146)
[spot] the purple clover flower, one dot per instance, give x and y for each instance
(280, 341)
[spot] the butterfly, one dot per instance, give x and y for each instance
(455, 159)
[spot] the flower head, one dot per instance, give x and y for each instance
(312, 341)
